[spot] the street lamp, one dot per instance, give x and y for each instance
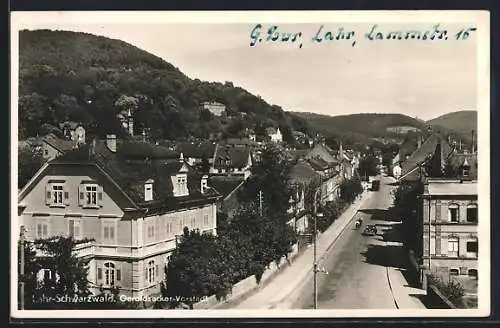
(315, 263)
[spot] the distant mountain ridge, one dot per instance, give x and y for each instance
(462, 122)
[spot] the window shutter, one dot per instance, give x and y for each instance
(156, 270)
(118, 274)
(71, 228)
(99, 273)
(99, 195)
(66, 198)
(146, 274)
(48, 194)
(438, 212)
(81, 193)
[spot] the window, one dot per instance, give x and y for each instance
(151, 272)
(453, 247)
(169, 228)
(205, 220)
(193, 222)
(91, 195)
(472, 213)
(74, 228)
(472, 247)
(465, 171)
(46, 152)
(108, 232)
(151, 230)
(42, 229)
(472, 273)
(453, 212)
(57, 194)
(47, 275)
(454, 272)
(111, 274)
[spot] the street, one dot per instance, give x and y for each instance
(359, 267)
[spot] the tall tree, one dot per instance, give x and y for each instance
(30, 160)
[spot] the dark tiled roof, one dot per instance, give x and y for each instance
(302, 173)
(458, 161)
(61, 145)
(427, 148)
(318, 164)
(141, 150)
(225, 185)
(238, 156)
(298, 153)
(196, 150)
(131, 174)
(240, 142)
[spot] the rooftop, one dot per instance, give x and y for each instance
(451, 187)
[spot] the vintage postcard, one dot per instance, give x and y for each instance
(250, 164)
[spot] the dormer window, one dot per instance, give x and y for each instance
(465, 171)
(148, 190)
(180, 185)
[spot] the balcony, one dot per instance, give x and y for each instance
(84, 249)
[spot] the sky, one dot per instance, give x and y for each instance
(423, 79)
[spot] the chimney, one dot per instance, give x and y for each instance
(473, 145)
(148, 190)
(111, 142)
(92, 148)
(204, 183)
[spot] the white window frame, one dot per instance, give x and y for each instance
(77, 222)
(57, 195)
(114, 225)
(151, 272)
(205, 220)
(42, 222)
(109, 274)
(91, 195)
(150, 230)
(453, 246)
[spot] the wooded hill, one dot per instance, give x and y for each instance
(462, 121)
(91, 79)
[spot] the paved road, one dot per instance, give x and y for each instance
(358, 266)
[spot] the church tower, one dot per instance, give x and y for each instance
(130, 122)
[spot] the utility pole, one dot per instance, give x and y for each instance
(21, 271)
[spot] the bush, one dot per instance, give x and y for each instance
(452, 290)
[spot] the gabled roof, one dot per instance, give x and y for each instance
(322, 152)
(237, 156)
(303, 173)
(427, 148)
(318, 164)
(131, 174)
(225, 185)
(62, 145)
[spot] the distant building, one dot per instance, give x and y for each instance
(216, 108)
(232, 159)
(275, 135)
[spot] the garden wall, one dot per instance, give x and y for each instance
(248, 284)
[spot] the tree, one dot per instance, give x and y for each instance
(30, 160)
(368, 165)
(195, 268)
(66, 274)
(350, 189)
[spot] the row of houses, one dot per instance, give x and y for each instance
(448, 217)
(128, 201)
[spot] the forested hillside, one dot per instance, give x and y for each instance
(462, 121)
(91, 79)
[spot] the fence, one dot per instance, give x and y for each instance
(248, 284)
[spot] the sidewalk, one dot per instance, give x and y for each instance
(278, 292)
(402, 292)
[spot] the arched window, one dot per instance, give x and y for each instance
(453, 211)
(109, 274)
(454, 272)
(472, 213)
(152, 272)
(472, 273)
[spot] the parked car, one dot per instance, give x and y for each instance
(370, 230)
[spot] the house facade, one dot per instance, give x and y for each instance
(275, 135)
(450, 217)
(129, 214)
(232, 159)
(217, 109)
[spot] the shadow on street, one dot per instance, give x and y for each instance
(382, 215)
(384, 255)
